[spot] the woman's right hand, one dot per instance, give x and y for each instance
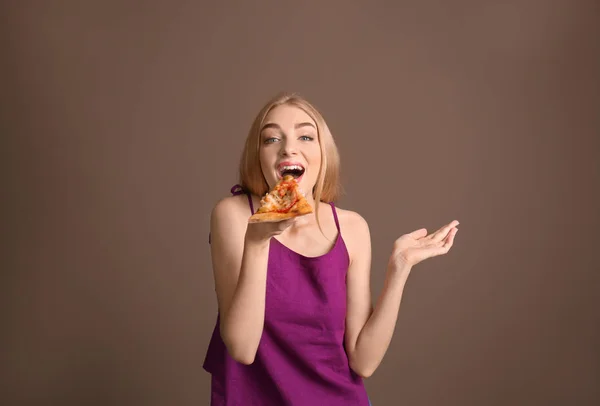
(263, 232)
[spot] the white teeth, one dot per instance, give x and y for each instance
(291, 167)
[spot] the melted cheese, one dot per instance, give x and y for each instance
(281, 197)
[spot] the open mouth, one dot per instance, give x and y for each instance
(294, 170)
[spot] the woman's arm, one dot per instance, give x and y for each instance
(240, 272)
(369, 331)
(240, 255)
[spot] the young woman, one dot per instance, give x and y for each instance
(296, 325)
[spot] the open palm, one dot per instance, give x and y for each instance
(417, 246)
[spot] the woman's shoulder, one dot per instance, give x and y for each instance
(355, 230)
(351, 221)
(231, 207)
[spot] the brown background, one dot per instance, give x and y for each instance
(123, 124)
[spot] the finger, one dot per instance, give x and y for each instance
(445, 245)
(417, 234)
(439, 250)
(449, 240)
(287, 222)
(443, 232)
(433, 249)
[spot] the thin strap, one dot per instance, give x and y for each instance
(238, 190)
(251, 204)
(335, 217)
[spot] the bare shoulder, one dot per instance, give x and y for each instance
(351, 221)
(236, 205)
(355, 231)
(230, 210)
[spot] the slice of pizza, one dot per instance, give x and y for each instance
(283, 202)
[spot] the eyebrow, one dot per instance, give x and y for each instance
(276, 126)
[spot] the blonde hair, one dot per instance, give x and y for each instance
(327, 188)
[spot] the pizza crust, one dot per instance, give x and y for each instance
(301, 208)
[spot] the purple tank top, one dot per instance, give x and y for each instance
(301, 358)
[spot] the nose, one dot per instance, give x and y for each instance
(288, 148)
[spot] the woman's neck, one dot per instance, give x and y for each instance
(310, 199)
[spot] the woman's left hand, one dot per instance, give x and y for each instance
(414, 247)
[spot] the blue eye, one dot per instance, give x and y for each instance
(306, 138)
(270, 140)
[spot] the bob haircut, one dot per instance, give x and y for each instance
(327, 188)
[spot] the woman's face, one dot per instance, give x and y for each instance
(289, 144)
